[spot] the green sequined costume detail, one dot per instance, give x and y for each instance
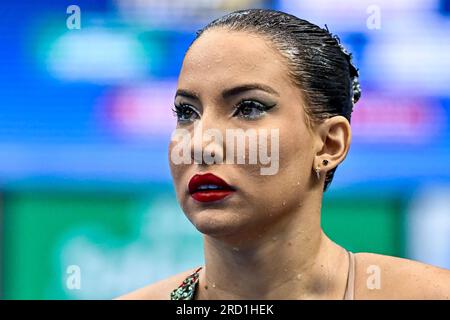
(186, 290)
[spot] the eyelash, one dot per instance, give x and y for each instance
(179, 109)
(257, 106)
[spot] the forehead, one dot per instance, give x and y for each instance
(221, 58)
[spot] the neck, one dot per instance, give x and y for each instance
(293, 259)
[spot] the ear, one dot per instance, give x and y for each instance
(333, 142)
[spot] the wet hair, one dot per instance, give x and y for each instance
(318, 63)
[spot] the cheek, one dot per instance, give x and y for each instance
(176, 170)
(273, 193)
(169, 157)
(293, 177)
(295, 148)
(296, 155)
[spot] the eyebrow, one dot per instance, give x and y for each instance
(247, 87)
(187, 94)
(227, 93)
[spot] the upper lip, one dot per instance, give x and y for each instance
(204, 179)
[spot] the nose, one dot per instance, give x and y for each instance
(207, 143)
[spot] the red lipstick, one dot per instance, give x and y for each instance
(208, 187)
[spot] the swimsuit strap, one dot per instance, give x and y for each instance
(350, 288)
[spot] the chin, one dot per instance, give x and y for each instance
(217, 222)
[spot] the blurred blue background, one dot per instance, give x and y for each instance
(85, 120)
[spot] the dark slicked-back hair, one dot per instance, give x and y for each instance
(318, 64)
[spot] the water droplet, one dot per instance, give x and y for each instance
(213, 285)
(299, 276)
(284, 203)
(274, 238)
(298, 183)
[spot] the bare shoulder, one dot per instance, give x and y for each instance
(386, 277)
(159, 290)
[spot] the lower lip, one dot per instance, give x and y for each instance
(210, 196)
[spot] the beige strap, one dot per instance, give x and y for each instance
(349, 291)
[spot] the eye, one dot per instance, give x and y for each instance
(250, 109)
(185, 113)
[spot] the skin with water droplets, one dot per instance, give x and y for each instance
(236, 58)
(255, 207)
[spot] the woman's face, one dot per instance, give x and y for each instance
(221, 60)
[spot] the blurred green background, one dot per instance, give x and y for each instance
(110, 234)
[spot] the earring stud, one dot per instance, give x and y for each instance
(318, 172)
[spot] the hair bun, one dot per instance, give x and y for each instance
(354, 74)
(356, 89)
